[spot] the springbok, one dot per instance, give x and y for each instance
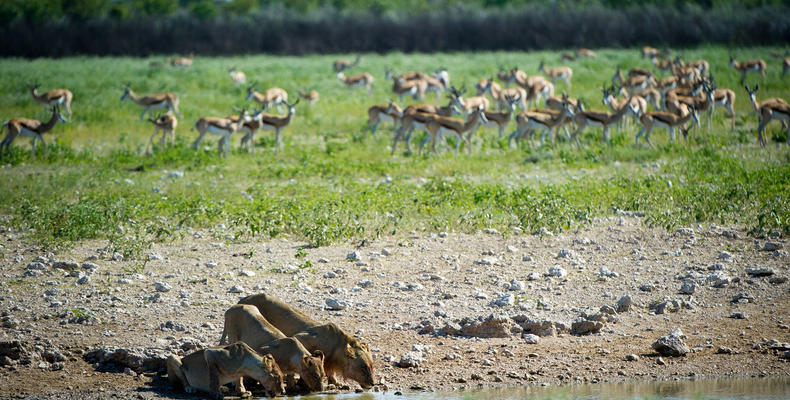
(271, 97)
(152, 102)
(223, 127)
(757, 65)
(166, 123)
(54, 97)
(559, 73)
(29, 128)
(276, 123)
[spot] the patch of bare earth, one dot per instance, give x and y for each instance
(403, 295)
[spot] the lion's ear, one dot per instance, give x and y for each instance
(349, 351)
(319, 354)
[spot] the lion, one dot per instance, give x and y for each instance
(208, 369)
(344, 355)
(244, 323)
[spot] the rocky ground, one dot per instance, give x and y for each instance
(440, 311)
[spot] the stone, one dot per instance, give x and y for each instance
(67, 265)
(759, 272)
(354, 256)
(533, 276)
(236, 289)
(504, 300)
(772, 246)
(647, 287)
(487, 261)
(84, 280)
(531, 338)
(247, 273)
(411, 359)
(660, 361)
(334, 304)
(718, 279)
(777, 280)
(670, 346)
(557, 272)
(724, 350)
(138, 359)
(155, 257)
(516, 286)
(451, 328)
(491, 327)
(175, 174)
(624, 304)
(739, 315)
(162, 286)
(606, 273)
(365, 283)
(585, 327)
(566, 253)
(688, 287)
(37, 266)
(631, 357)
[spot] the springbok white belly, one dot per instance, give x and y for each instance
(217, 131)
(27, 132)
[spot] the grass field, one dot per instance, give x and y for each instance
(331, 183)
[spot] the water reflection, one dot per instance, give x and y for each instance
(730, 389)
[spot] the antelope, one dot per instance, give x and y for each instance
(584, 119)
(537, 87)
(660, 119)
(633, 83)
(379, 112)
(637, 102)
(470, 104)
(415, 88)
(540, 120)
(238, 77)
(663, 65)
(586, 53)
(30, 128)
(273, 96)
(439, 125)
(785, 66)
(443, 76)
(152, 102)
(500, 119)
(767, 102)
(223, 127)
(559, 73)
(416, 116)
(650, 52)
(166, 123)
(342, 65)
(311, 96)
(270, 122)
(748, 66)
(701, 65)
(182, 61)
(505, 76)
(364, 79)
(567, 57)
(54, 97)
(502, 96)
(724, 98)
(770, 112)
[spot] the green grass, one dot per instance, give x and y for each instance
(328, 182)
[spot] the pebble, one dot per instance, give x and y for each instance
(688, 287)
(772, 246)
(247, 273)
(605, 272)
(155, 257)
(531, 339)
(565, 253)
(330, 275)
(504, 300)
(211, 264)
(512, 249)
(718, 279)
(723, 350)
(324, 260)
(624, 304)
(354, 256)
(660, 361)
(84, 280)
(557, 271)
(632, 357)
(236, 289)
(365, 283)
(671, 346)
(334, 304)
(759, 272)
(162, 286)
(487, 261)
(739, 315)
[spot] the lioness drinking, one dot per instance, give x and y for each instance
(244, 323)
(208, 369)
(344, 354)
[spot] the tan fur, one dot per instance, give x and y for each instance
(745, 67)
(271, 97)
(243, 322)
(165, 100)
(238, 77)
(586, 53)
(360, 80)
(559, 73)
(463, 130)
(380, 112)
(208, 369)
(344, 355)
(182, 61)
(223, 127)
(167, 125)
(29, 127)
(311, 96)
(417, 116)
(269, 122)
(773, 111)
(342, 65)
(54, 97)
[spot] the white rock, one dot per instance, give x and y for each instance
(533, 276)
(688, 287)
(504, 300)
(236, 289)
(175, 174)
(162, 286)
(334, 304)
(354, 256)
(154, 257)
(365, 283)
(84, 280)
(557, 271)
(385, 251)
(517, 286)
(605, 272)
(531, 339)
(323, 260)
(211, 264)
(246, 272)
(487, 261)
(565, 253)
(512, 249)
(330, 275)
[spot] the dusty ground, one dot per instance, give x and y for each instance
(388, 311)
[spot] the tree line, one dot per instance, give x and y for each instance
(165, 26)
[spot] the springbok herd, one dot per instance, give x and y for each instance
(677, 99)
